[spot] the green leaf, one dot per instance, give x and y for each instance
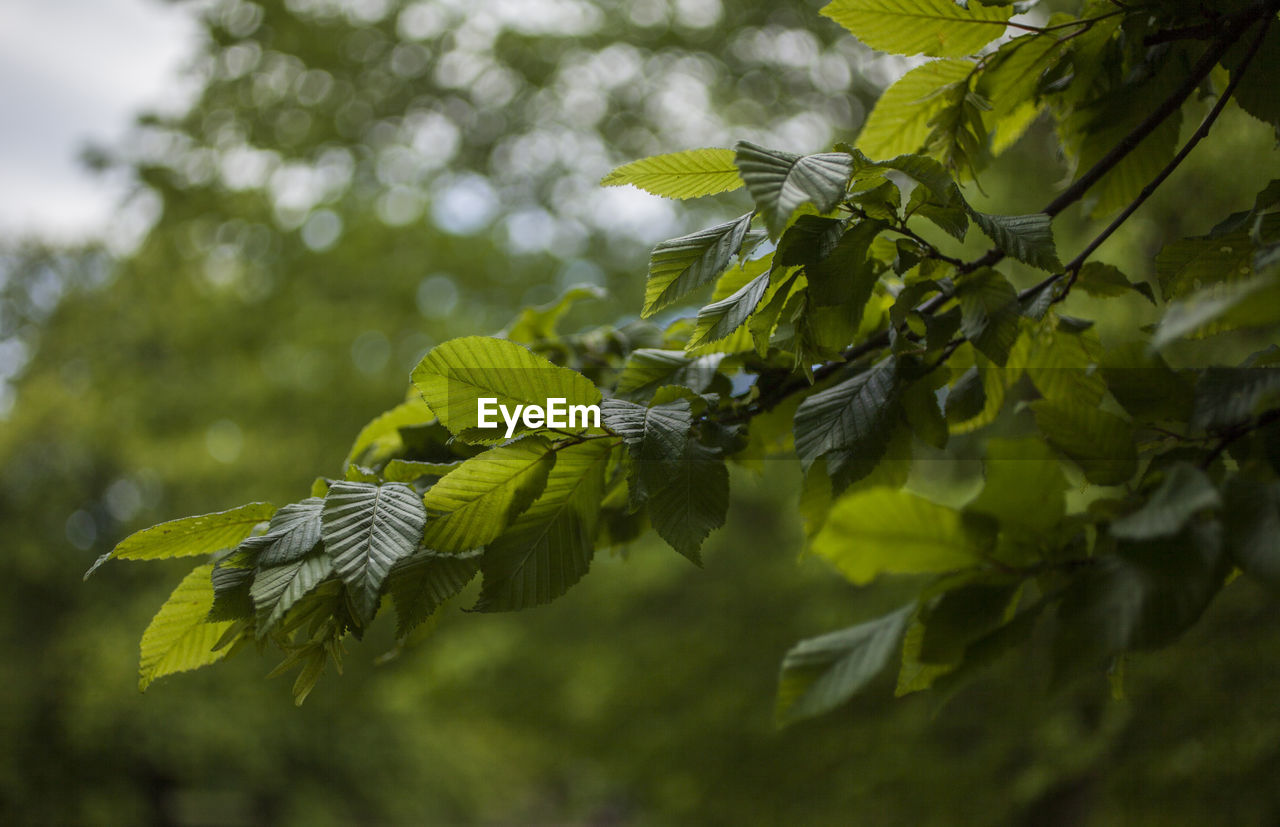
(682, 265)
(1024, 484)
(1141, 597)
(920, 404)
(1256, 92)
(539, 324)
(231, 600)
(990, 317)
(294, 530)
(691, 173)
(1065, 366)
(780, 182)
(474, 503)
(549, 547)
(1106, 281)
(899, 123)
(939, 28)
(809, 240)
(420, 584)
(277, 588)
(962, 615)
(1184, 491)
(648, 369)
(457, 373)
(1028, 238)
(1100, 443)
(1144, 384)
(405, 470)
(1254, 303)
(692, 502)
(1251, 516)
(884, 531)
(382, 435)
(1186, 266)
(189, 536)
(822, 673)
(1228, 397)
(366, 529)
(718, 320)
(855, 414)
(178, 638)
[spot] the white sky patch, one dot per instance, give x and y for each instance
(76, 72)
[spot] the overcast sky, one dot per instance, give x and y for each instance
(76, 72)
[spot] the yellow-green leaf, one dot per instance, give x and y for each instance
(886, 531)
(899, 123)
(692, 173)
(178, 638)
(189, 536)
(939, 28)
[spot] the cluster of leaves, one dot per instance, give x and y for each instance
(837, 333)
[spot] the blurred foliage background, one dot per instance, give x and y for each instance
(360, 179)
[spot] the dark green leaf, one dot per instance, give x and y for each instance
(682, 265)
(549, 547)
(294, 530)
(780, 182)
(1184, 491)
(822, 673)
(366, 529)
(989, 314)
(1028, 238)
(855, 414)
(420, 584)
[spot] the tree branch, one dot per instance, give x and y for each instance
(1234, 28)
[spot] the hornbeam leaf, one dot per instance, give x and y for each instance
(1141, 597)
(178, 638)
(231, 600)
(692, 502)
(1105, 280)
(277, 588)
(1024, 484)
(189, 536)
(419, 584)
(692, 173)
(549, 547)
(1065, 366)
(656, 438)
(457, 373)
(899, 123)
(684, 264)
(1101, 443)
(1184, 491)
(781, 182)
(822, 673)
(720, 319)
(406, 470)
(294, 530)
(938, 28)
(989, 314)
(1028, 238)
(648, 369)
(382, 434)
(1220, 307)
(856, 414)
(476, 501)
(1228, 397)
(1252, 519)
(366, 529)
(886, 531)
